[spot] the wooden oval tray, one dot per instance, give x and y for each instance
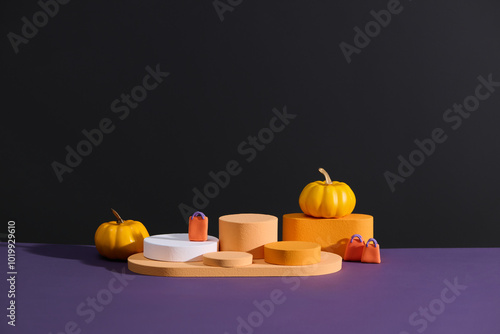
(330, 263)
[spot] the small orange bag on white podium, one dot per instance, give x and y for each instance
(198, 227)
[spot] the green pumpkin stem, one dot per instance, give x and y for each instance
(119, 219)
(327, 177)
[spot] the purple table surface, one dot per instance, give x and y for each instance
(71, 289)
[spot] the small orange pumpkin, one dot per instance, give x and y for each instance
(119, 239)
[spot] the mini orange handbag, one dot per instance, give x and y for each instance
(198, 227)
(371, 252)
(354, 249)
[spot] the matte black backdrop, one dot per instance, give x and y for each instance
(226, 77)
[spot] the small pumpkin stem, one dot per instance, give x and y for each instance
(327, 177)
(119, 219)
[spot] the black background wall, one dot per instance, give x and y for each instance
(225, 78)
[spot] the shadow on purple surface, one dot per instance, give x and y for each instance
(86, 255)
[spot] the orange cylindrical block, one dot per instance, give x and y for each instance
(247, 232)
(332, 234)
(198, 227)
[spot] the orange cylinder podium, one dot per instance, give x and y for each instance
(247, 232)
(331, 233)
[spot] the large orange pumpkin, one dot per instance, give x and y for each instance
(327, 199)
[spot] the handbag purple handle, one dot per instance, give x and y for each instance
(356, 235)
(375, 243)
(198, 213)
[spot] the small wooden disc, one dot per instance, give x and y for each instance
(227, 259)
(292, 253)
